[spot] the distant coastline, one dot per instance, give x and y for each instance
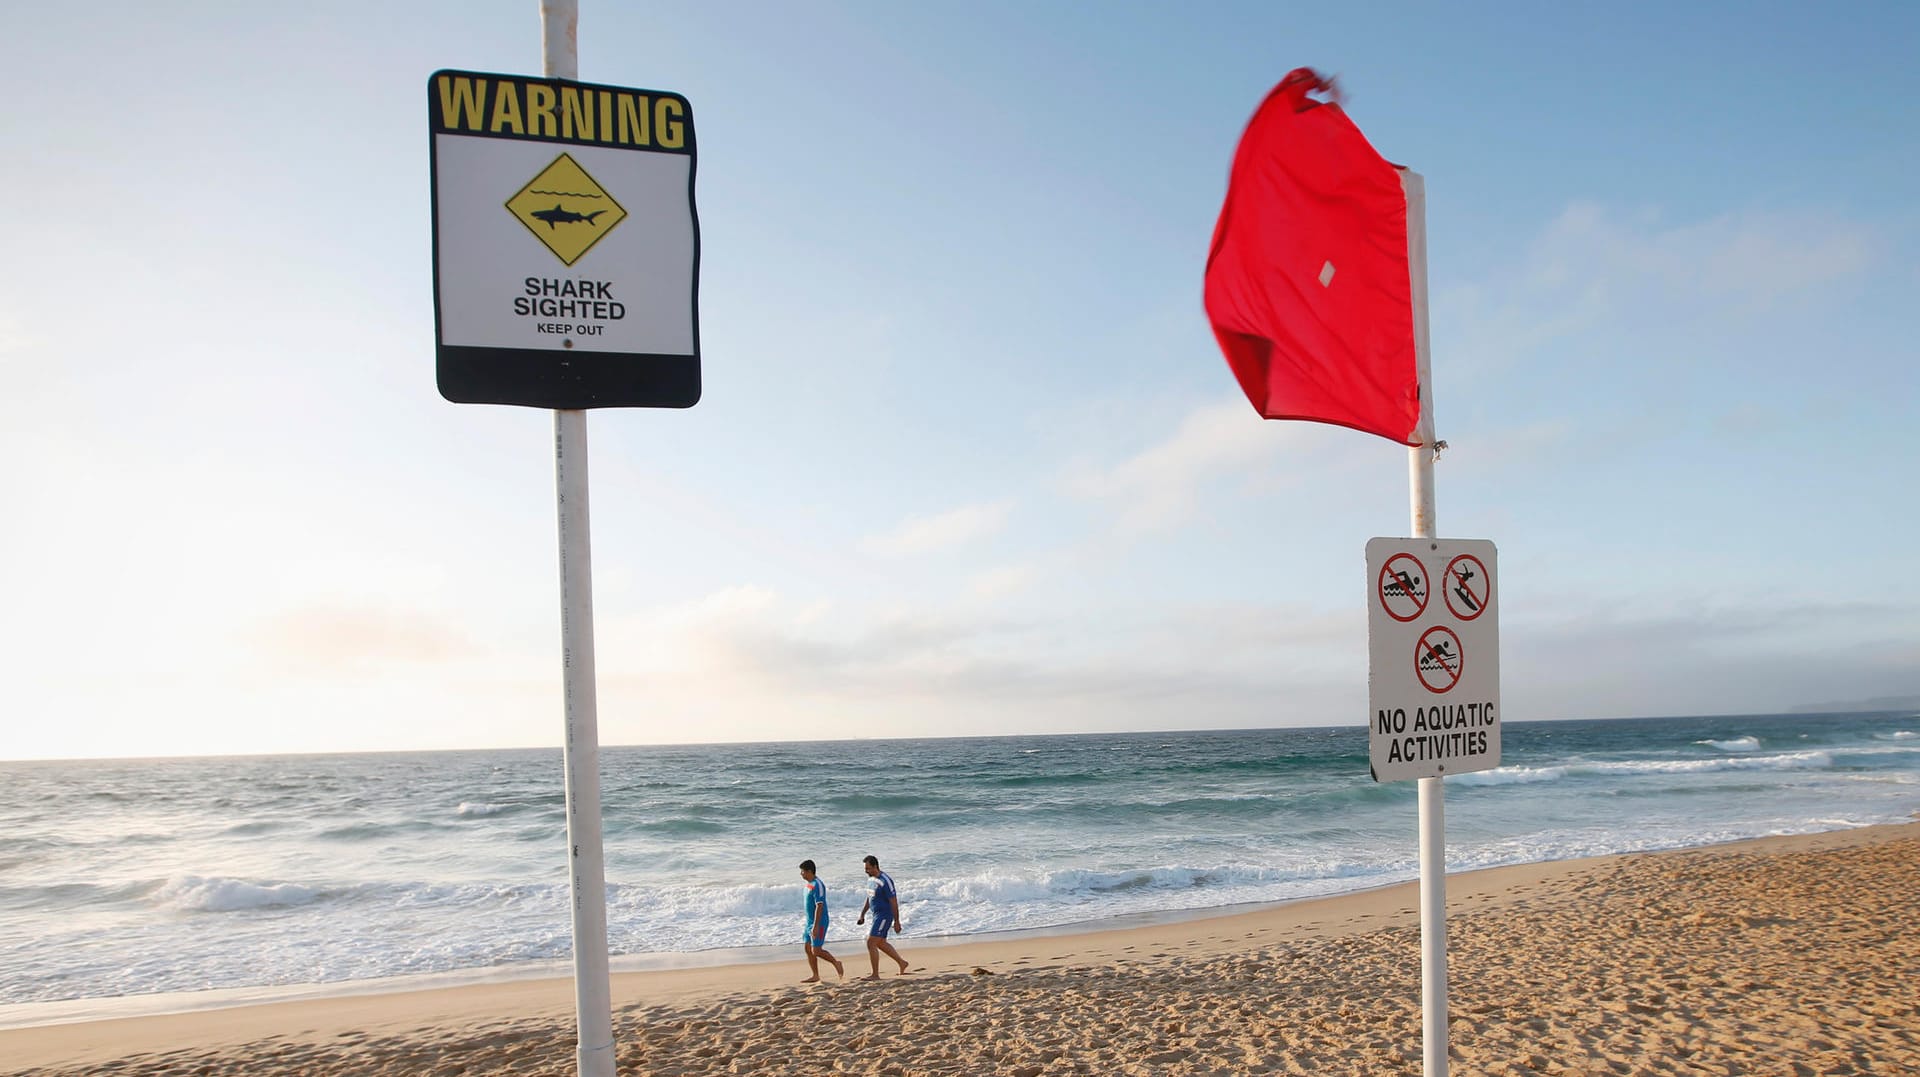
(1860, 706)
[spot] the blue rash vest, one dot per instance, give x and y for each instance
(816, 904)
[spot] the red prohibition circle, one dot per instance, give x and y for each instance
(1468, 586)
(1397, 583)
(1438, 659)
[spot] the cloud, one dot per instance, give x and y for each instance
(752, 665)
(1160, 485)
(35, 380)
(1595, 265)
(757, 665)
(1696, 656)
(996, 584)
(944, 531)
(1748, 256)
(1748, 422)
(13, 334)
(327, 638)
(1501, 449)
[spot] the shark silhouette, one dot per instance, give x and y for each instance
(556, 216)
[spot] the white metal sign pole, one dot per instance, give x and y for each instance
(1433, 810)
(592, 990)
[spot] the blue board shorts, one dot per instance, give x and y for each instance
(815, 938)
(881, 925)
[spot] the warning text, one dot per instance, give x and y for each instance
(556, 111)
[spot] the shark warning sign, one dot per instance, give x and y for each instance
(566, 247)
(563, 194)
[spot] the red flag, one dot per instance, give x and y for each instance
(1308, 286)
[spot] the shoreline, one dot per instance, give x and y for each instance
(536, 1013)
(30, 1015)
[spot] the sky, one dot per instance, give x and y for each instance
(968, 460)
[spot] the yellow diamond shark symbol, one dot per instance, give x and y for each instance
(565, 209)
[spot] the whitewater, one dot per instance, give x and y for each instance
(123, 879)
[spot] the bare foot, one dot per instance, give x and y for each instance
(811, 980)
(905, 968)
(841, 969)
(875, 976)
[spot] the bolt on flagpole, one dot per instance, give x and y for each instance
(592, 989)
(1433, 812)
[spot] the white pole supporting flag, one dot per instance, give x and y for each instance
(1433, 811)
(592, 988)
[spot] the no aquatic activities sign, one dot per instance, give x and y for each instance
(566, 249)
(1433, 641)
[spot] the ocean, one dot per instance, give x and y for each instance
(182, 881)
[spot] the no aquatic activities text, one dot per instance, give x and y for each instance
(1444, 731)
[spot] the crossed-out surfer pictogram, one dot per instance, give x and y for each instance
(1468, 586)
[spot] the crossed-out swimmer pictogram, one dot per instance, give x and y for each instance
(1438, 659)
(1403, 587)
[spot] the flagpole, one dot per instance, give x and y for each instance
(1433, 811)
(580, 757)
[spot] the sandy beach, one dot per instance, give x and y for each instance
(1779, 956)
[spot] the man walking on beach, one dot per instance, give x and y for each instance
(815, 938)
(884, 903)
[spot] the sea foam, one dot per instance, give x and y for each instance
(195, 893)
(171, 875)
